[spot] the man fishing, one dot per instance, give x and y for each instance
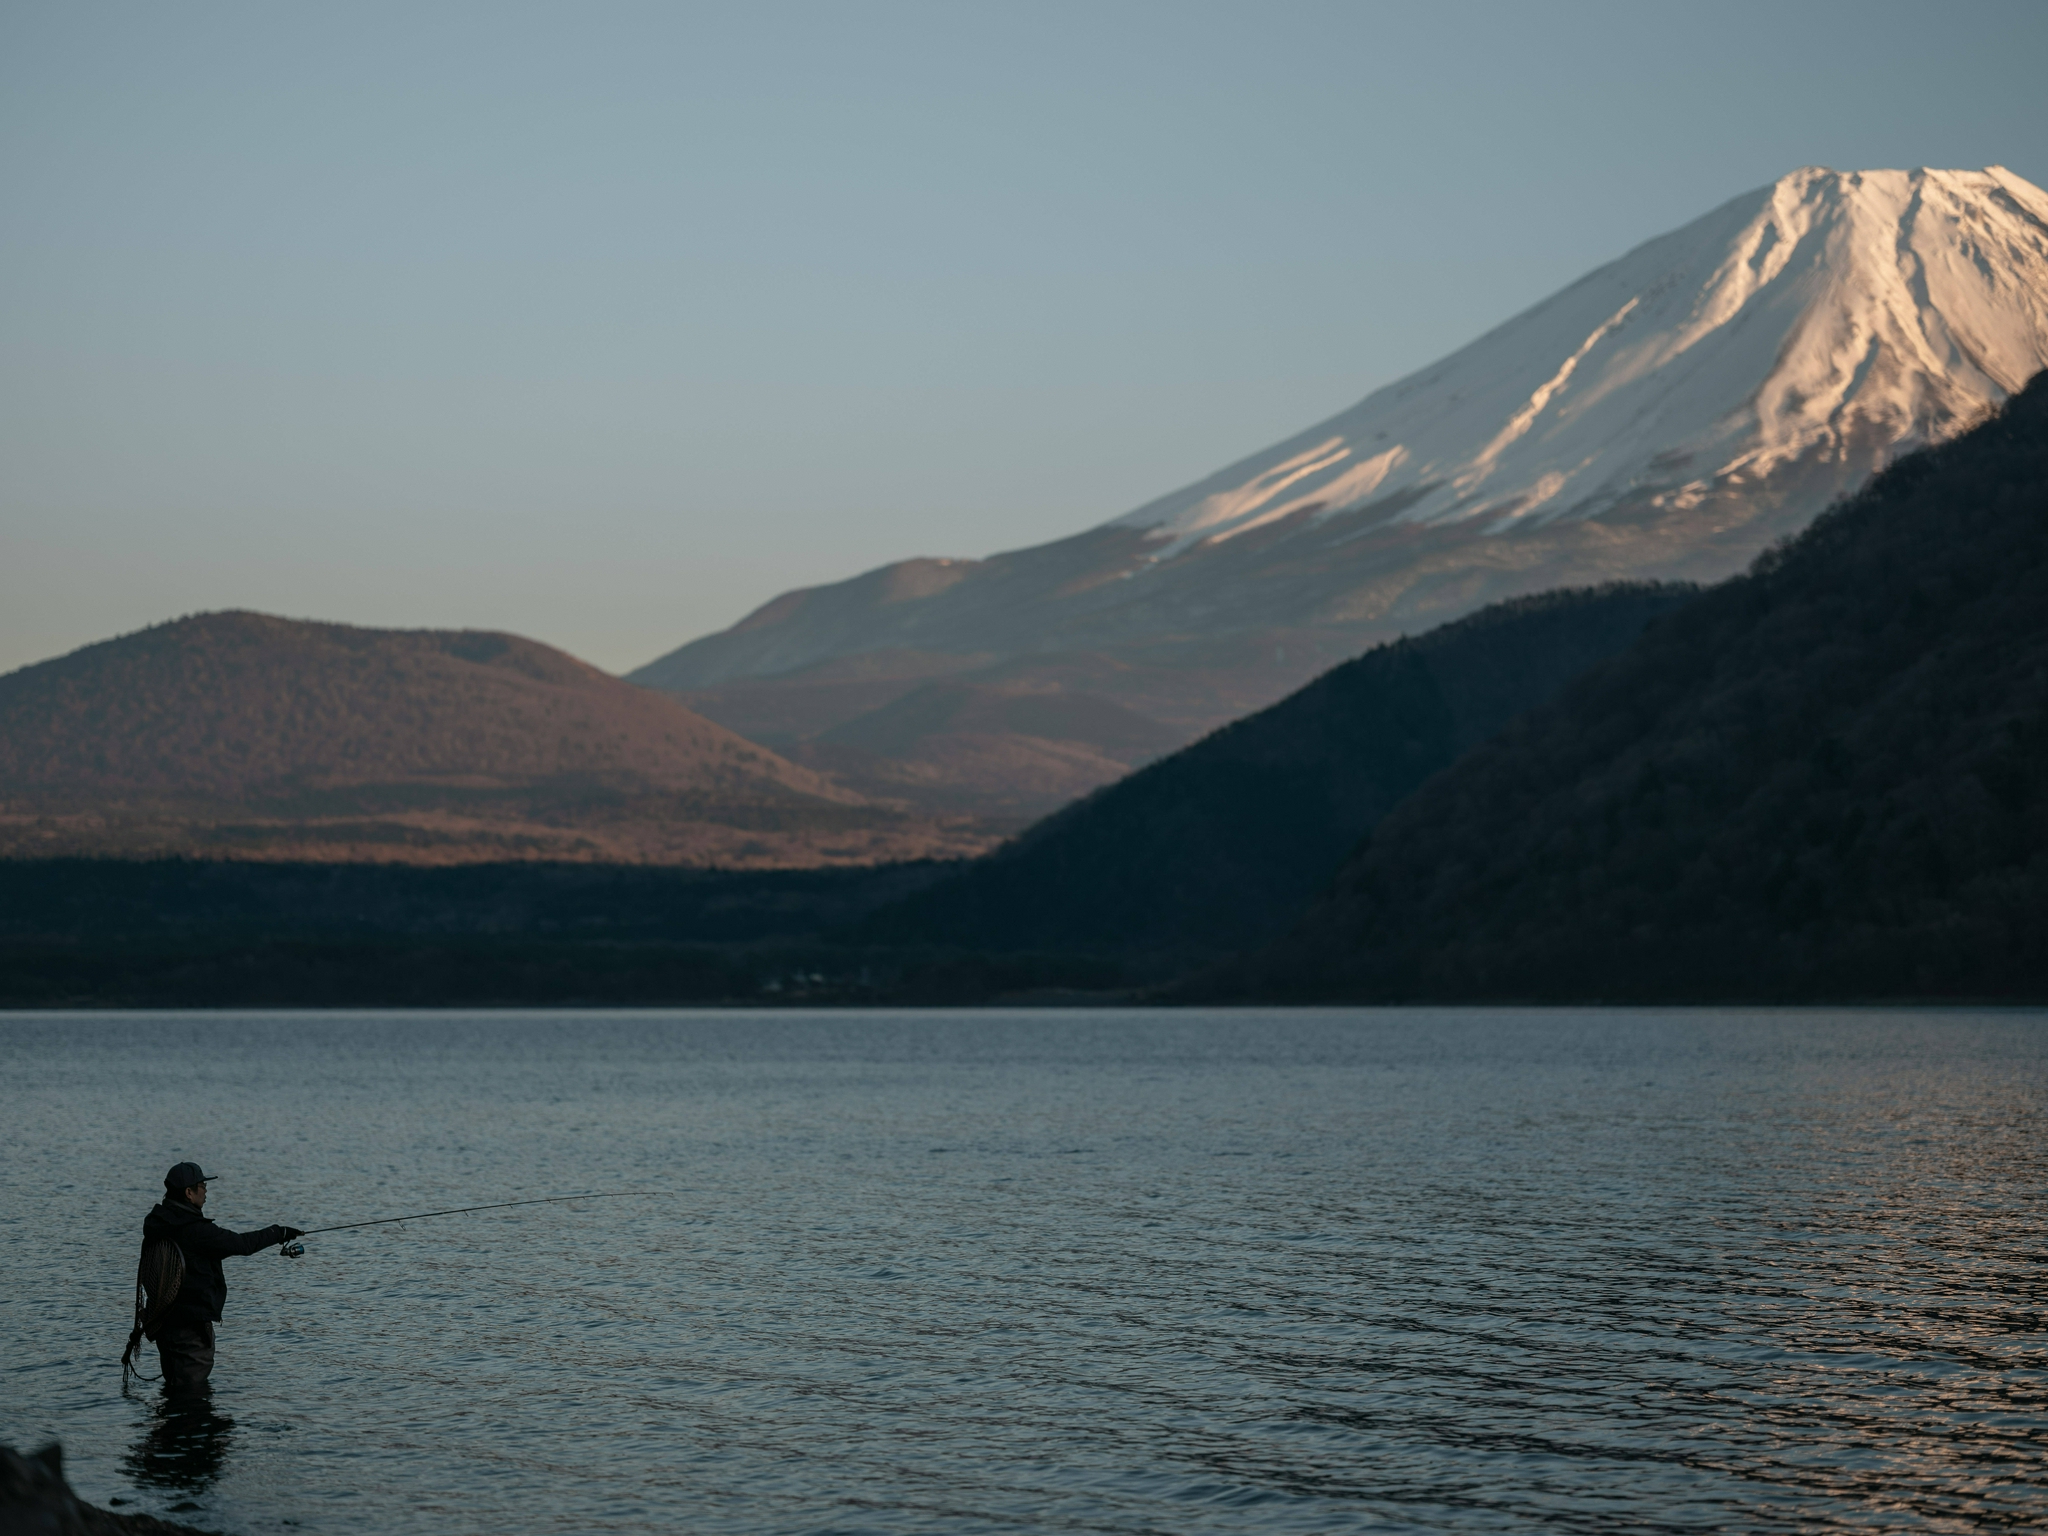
(180, 1289)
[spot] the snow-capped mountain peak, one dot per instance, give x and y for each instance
(1822, 324)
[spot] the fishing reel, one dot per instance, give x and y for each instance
(290, 1250)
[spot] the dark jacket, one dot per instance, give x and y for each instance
(205, 1289)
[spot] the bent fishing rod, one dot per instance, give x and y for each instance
(294, 1248)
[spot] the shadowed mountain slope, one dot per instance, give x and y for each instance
(1010, 741)
(1666, 417)
(1826, 779)
(246, 734)
(991, 748)
(1220, 845)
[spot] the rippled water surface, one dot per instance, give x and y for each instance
(1061, 1271)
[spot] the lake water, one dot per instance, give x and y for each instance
(1315, 1271)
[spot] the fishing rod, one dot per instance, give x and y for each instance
(293, 1249)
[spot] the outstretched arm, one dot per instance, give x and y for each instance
(217, 1242)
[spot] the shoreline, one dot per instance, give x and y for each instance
(34, 1495)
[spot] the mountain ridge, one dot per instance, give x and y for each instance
(1870, 343)
(1665, 417)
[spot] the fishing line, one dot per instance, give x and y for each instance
(292, 1250)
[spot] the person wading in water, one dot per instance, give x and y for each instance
(179, 1287)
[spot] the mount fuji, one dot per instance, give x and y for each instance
(1668, 416)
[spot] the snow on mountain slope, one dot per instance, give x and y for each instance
(1829, 315)
(1668, 416)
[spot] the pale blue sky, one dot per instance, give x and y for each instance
(606, 322)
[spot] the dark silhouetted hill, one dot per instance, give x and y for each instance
(1220, 845)
(252, 736)
(1827, 779)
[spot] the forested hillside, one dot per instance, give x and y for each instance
(1221, 844)
(1826, 779)
(243, 735)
